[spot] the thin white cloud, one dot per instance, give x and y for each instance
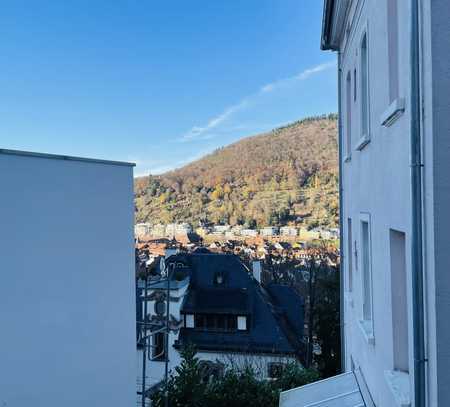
(299, 77)
(203, 132)
(198, 132)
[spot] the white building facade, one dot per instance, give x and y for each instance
(142, 229)
(394, 76)
(66, 281)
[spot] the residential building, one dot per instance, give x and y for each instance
(174, 229)
(249, 232)
(67, 291)
(288, 231)
(220, 307)
(142, 229)
(306, 234)
(236, 230)
(221, 229)
(202, 231)
(269, 231)
(394, 139)
(158, 230)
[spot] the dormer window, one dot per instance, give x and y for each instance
(215, 322)
(219, 278)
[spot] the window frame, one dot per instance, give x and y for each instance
(364, 85)
(348, 116)
(399, 301)
(158, 356)
(207, 322)
(350, 254)
(396, 103)
(366, 322)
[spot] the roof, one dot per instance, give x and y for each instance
(218, 301)
(269, 329)
(252, 342)
(203, 266)
(291, 304)
(342, 390)
(334, 13)
(174, 284)
(64, 157)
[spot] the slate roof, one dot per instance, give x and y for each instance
(218, 301)
(269, 327)
(291, 304)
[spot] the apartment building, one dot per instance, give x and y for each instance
(142, 229)
(67, 294)
(394, 83)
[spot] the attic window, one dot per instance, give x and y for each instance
(219, 278)
(242, 323)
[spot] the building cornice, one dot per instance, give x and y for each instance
(334, 14)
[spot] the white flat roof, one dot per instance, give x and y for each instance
(337, 391)
(64, 157)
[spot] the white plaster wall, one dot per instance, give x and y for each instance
(376, 181)
(259, 362)
(155, 369)
(67, 307)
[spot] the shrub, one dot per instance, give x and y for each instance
(237, 388)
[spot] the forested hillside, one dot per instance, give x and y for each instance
(286, 176)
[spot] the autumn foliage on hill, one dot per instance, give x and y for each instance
(286, 176)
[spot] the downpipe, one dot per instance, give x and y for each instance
(417, 267)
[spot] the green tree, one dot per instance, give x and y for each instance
(185, 387)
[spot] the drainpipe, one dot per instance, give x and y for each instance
(417, 267)
(341, 219)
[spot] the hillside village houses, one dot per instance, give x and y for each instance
(288, 231)
(142, 229)
(67, 313)
(269, 231)
(224, 311)
(394, 82)
(172, 230)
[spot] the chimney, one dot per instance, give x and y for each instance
(256, 266)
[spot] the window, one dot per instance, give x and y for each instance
(349, 254)
(348, 117)
(231, 322)
(354, 85)
(396, 103)
(366, 273)
(275, 370)
(242, 323)
(393, 48)
(365, 126)
(210, 370)
(200, 321)
(399, 301)
(189, 321)
(158, 346)
(219, 278)
(213, 322)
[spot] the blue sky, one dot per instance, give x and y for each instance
(159, 83)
